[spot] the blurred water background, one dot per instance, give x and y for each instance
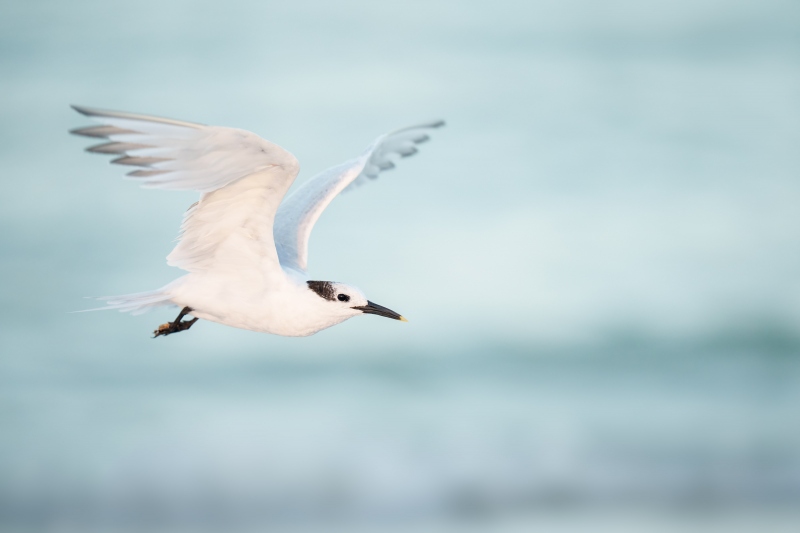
(598, 255)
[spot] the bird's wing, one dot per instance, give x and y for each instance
(300, 210)
(241, 177)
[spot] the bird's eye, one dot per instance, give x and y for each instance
(343, 298)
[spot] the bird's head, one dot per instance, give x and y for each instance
(346, 300)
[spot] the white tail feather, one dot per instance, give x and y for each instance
(136, 303)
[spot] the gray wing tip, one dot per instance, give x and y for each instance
(115, 148)
(433, 124)
(100, 131)
(138, 161)
(94, 112)
(86, 111)
(78, 131)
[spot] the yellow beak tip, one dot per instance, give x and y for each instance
(403, 319)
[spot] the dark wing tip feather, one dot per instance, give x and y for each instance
(147, 174)
(86, 111)
(433, 124)
(101, 131)
(138, 161)
(94, 112)
(115, 148)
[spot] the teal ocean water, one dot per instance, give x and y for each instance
(598, 256)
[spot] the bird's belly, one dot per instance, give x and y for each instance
(288, 325)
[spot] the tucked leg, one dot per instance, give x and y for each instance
(178, 325)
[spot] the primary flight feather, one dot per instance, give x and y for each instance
(244, 246)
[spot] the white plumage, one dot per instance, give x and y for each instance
(244, 246)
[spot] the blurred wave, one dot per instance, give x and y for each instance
(406, 439)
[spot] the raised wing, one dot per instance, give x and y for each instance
(299, 211)
(241, 177)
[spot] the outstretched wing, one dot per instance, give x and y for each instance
(241, 177)
(300, 210)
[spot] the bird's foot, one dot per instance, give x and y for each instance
(173, 327)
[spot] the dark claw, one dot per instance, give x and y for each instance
(177, 325)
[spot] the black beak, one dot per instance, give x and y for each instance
(375, 309)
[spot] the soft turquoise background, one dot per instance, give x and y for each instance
(598, 255)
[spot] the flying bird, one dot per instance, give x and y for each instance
(243, 245)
